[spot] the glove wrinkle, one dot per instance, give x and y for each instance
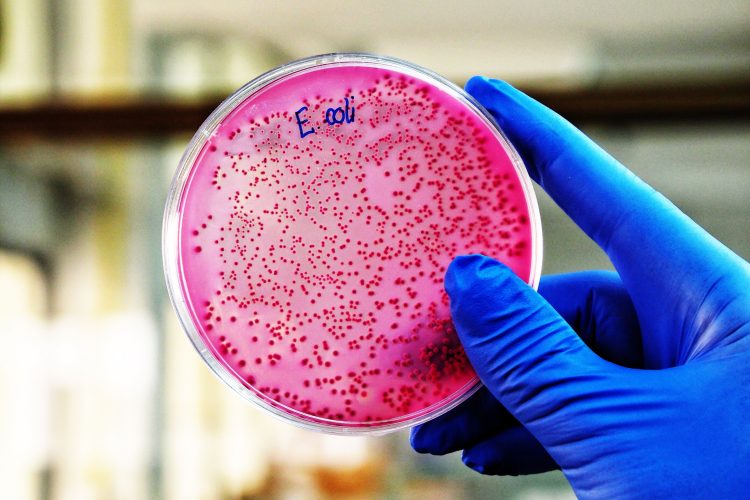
(718, 316)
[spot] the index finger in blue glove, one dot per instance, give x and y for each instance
(666, 261)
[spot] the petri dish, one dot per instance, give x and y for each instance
(309, 226)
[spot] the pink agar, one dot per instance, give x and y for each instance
(313, 263)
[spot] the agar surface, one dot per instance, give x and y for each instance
(314, 243)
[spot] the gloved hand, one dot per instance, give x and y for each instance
(564, 368)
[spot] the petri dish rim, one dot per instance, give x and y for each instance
(173, 218)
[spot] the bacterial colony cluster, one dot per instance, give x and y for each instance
(316, 227)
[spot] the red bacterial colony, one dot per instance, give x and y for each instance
(316, 226)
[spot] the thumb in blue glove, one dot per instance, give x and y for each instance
(562, 367)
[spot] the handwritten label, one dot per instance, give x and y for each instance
(332, 116)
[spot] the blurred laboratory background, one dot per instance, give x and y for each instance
(101, 394)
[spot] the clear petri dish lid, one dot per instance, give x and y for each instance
(309, 226)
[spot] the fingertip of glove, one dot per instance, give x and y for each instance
(416, 440)
(468, 271)
(421, 441)
(476, 83)
(481, 86)
(489, 459)
(472, 464)
(428, 439)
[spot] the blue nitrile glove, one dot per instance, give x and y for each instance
(566, 365)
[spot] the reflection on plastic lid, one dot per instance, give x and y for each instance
(309, 227)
